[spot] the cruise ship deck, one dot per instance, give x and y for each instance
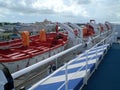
(78, 72)
(97, 68)
(107, 76)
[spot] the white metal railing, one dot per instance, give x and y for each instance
(34, 66)
(65, 66)
(86, 66)
(101, 34)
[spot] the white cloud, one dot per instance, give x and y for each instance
(2, 15)
(59, 6)
(75, 9)
(46, 6)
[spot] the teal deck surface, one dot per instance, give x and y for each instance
(107, 75)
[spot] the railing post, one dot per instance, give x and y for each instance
(66, 77)
(86, 66)
(111, 41)
(96, 58)
(56, 63)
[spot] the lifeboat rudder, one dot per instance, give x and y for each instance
(25, 38)
(42, 36)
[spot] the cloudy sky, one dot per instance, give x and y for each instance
(59, 10)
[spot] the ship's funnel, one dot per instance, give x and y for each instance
(42, 36)
(25, 38)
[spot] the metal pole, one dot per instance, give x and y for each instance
(96, 58)
(56, 63)
(86, 66)
(66, 77)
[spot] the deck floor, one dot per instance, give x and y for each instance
(107, 76)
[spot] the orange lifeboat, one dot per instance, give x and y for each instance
(88, 31)
(91, 30)
(42, 36)
(25, 38)
(85, 32)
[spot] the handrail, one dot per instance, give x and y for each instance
(101, 34)
(43, 80)
(34, 66)
(87, 59)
